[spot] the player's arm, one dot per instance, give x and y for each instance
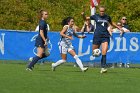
(62, 33)
(76, 28)
(121, 30)
(112, 23)
(42, 35)
(126, 30)
(110, 29)
(41, 32)
(84, 17)
(78, 36)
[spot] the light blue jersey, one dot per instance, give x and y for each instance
(65, 44)
(66, 41)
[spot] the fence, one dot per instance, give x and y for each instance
(17, 45)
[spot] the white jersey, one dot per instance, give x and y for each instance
(66, 42)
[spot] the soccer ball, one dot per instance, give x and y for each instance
(96, 52)
(31, 59)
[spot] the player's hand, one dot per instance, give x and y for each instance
(70, 37)
(83, 36)
(110, 33)
(45, 43)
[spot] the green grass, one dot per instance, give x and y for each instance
(67, 79)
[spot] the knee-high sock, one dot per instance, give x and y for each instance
(34, 61)
(103, 61)
(43, 56)
(78, 61)
(59, 62)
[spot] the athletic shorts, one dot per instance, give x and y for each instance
(65, 49)
(99, 40)
(39, 43)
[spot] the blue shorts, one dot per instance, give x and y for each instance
(99, 40)
(39, 42)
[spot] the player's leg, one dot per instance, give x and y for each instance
(104, 51)
(40, 51)
(96, 43)
(94, 46)
(78, 61)
(59, 62)
(63, 52)
(103, 59)
(45, 54)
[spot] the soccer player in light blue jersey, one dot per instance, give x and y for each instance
(65, 44)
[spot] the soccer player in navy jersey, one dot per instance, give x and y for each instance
(41, 40)
(65, 44)
(101, 34)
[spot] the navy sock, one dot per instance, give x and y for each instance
(103, 61)
(34, 61)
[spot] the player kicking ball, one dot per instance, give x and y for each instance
(101, 34)
(65, 44)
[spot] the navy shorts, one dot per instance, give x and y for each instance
(99, 40)
(39, 43)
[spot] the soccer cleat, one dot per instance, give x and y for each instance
(85, 69)
(29, 69)
(103, 70)
(128, 65)
(53, 67)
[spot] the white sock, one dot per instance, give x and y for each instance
(78, 61)
(59, 62)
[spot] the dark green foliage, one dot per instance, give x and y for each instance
(23, 14)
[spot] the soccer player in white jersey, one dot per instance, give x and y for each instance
(65, 44)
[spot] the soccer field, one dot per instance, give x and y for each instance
(67, 79)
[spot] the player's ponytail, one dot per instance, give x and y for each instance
(66, 21)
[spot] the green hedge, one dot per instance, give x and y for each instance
(23, 14)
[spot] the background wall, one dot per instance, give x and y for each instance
(15, 45)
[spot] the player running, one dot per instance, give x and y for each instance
(65, 44)
(41, 40)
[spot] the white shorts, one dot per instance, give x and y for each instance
(64, 50)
